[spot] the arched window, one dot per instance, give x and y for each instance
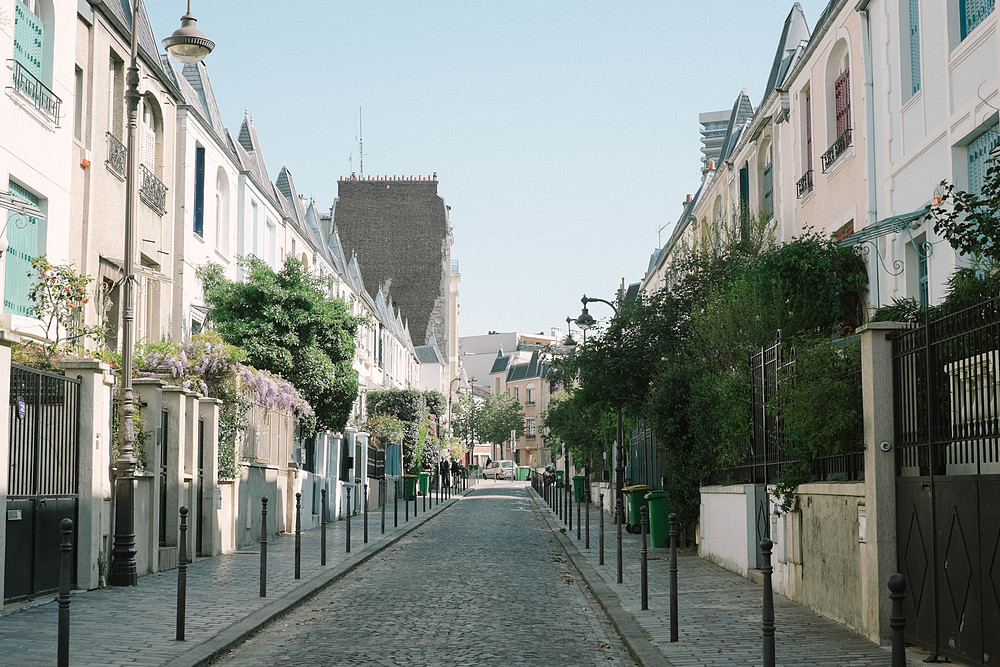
(151, 134)
(222, 211)
(838, 103)
(305, 261)
(765, 160)
(33, 38)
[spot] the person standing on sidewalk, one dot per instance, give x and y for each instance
(443, 469)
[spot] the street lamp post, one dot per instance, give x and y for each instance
(188, 45)
(586, 321)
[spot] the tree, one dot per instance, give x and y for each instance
(466, 419)
(501, 414)
(584, 428)
(969, 221)
(286, 324)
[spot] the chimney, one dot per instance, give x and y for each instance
(711, 165)
(687, 199)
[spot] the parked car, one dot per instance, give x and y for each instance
(500, 470)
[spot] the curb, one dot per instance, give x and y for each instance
(214, 647)
(635, 639)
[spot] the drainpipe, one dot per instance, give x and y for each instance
(870, 143)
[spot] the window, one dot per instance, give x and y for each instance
(255, 230)
(116, 96)
(530, 398)
(147, 136)
(517, 393)
(767, 185)
(909, 31)
(529, 427)
(805, 183)
(842, 101)
(199, 191)
(979, 154)
(922, 288)
(973, 12)
(222, 211)
(272, 244)
(22, 247)
(78, 105)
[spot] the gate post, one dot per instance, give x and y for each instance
(879, 540)
(94, 429)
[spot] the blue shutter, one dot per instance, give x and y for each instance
(979, 153)
(22, 247)
(29, 39)
(972, 13)
(915, 46)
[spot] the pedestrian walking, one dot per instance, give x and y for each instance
(454, 472)
(443, 468)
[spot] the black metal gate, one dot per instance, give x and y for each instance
(43, 473)
(946, 378)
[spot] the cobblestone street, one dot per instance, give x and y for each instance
(485, 584)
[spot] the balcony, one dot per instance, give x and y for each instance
(117, 155)
(804, 185)
(838, 148)
(152, 191)
(43, 99)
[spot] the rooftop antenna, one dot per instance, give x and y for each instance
(361, 144)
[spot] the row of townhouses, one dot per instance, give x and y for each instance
(859, 121)
(205, 195)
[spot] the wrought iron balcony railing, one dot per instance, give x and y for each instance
(117, 155)
(152, 191)
(804, 185)
(838, 148)
(35, 91)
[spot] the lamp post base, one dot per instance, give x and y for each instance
(123, 570)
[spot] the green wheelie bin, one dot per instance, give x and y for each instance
(522, 473)
(578, 485)
(659, 522)
(409, 486)
(636, 498)
(425, 482)
(559, 478)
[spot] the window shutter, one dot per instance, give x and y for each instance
(915, 46)
(29, 39)
(22, 247)
(842, 96)
(809, 131)
(972, 13)
(769, 189)
(979, 153)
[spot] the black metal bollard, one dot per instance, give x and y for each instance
(619, 521)
(416, 487)
(406, 502)
(427, 492)
(366, 513)
(182, 575)
(767, 625)
(439, 488)
(569, 514)
(298, 535)
(586, 493)
(322, 527)
(395, 503)
(263, 547)
(673, 577)
(65, 576)
(600, 533)
(643, 553)
(347, 517)
(381, 501)
(897, 591)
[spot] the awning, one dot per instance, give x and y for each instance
(883, 227)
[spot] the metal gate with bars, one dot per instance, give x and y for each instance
(946, 378)
(44, 479)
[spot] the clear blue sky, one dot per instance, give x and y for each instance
(564, 133)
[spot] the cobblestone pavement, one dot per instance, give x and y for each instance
(487, 584)
(135, 626)
(719, 612)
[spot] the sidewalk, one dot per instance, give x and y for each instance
(136, 625)
(719, 612)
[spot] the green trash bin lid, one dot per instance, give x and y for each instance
(656, 494)
(637, 487)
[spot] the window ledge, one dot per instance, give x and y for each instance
(28, 105)
(973, 40)
(838, 165)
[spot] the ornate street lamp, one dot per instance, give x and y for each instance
(189, 46)
(570, 341)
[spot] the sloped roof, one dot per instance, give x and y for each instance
(255, 157)
(197, 76)
(429, 354)
(534, 368)
(122, 10)
(500, 363)
(742, 112)
(794, 32)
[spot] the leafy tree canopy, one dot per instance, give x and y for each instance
(501, 414)
(970, 221)
(286, 324)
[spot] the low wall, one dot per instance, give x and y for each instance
(726, 527)
(819, 548)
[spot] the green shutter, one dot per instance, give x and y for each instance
(972, 13)
(29, 39)
(979, 153)
(22, 247)
(914, 46)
